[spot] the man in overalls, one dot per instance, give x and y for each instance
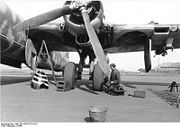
(112, 86)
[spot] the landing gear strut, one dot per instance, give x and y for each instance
(147, 55)
(97, 74)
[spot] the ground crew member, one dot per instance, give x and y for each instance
(113, 84)
(173, 87)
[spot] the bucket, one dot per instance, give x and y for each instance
(97, 113)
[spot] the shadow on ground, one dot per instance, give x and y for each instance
(87, 119)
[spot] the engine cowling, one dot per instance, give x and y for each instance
(75, 21)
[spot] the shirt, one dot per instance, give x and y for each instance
(115, 77)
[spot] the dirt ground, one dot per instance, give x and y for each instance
(20, 103)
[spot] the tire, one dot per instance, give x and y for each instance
(98, 77)
(69, 76)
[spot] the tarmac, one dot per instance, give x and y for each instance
(20, 103)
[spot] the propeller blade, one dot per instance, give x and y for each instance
(42, 18)
(95, 43)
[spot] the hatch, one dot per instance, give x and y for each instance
(161, 30)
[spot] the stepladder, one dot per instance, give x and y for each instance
(43, 51)
(178, 99)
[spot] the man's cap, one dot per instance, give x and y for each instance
(113, 65)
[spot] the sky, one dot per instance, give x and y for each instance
(119, 12)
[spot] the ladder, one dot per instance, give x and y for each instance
(43, 45)
(178, 100)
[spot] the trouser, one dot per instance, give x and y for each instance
(113, 89)
(109, 87)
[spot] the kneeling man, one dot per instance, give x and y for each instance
(112, 85)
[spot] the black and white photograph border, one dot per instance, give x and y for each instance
(149, 97)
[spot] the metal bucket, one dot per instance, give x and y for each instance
(97, 113)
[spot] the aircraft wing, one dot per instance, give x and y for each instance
(131, 38)
(125, 38)
(53, 37)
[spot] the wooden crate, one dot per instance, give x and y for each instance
(139, 94)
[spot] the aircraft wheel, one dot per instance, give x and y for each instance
(69, 76)
(98, 77)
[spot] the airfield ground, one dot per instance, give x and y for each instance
(20, 103)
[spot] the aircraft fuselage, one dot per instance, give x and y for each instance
(12, 43)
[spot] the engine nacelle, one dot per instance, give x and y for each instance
(147, 55)
(75, 21)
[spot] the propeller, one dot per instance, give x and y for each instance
(44, 18)
(95, 43)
